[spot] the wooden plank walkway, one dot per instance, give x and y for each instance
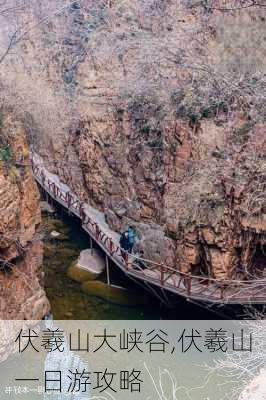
(196, 288)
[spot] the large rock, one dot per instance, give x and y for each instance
(89, 266)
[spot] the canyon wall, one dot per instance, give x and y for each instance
(21, 293)
(154, 113)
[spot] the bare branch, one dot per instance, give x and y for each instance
(245, 4)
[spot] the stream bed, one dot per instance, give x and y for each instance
(67, 299)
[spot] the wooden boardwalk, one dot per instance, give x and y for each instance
(196, 288)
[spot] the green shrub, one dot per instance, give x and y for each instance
(194, 117)
(5, 154)
(145, 129)
(155, 143)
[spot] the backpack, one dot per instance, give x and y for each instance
(131, 235)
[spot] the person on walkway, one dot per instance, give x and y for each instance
(124, 241)
(131, 237)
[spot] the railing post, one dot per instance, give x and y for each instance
(107, 269)
(42, 178)
(68, 196)
(82, 212)
(162, 274)
(97, 231)
(189, 285)
(124, 255)
(126, 260)
(222, 288)
(54, 190)
(111, 246)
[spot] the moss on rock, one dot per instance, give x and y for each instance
(80, 275)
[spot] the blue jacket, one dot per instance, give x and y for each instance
(131, 235)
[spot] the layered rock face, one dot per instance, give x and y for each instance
(138, 116)
(21, 294)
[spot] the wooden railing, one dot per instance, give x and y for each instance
(185, 284)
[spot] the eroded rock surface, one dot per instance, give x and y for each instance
(135, 126)
(21, 293)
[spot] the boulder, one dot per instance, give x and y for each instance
(89, 266)
(46, 207)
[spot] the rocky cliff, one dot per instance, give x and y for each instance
(21, 294)
(154, 112)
